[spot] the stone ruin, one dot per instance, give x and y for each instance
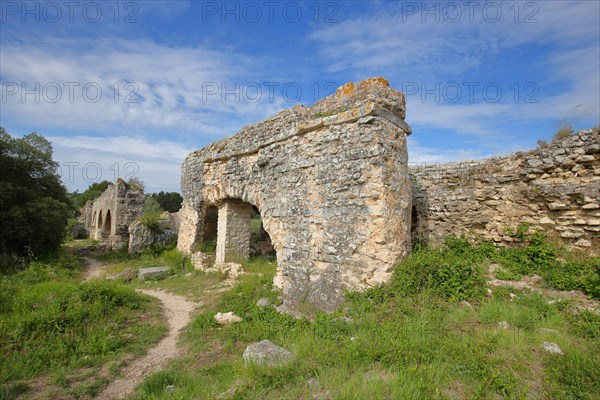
(107, 219)
(340, 203)
(331, 185)
(555, 188)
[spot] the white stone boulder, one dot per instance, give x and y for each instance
(227, 318)
(266, 353)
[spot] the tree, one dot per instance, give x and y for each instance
(34, 204)
(169, 201)
(91, 193)
(151, 206)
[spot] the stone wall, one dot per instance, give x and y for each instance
(555, 188)
(330, 182)
(107, 218)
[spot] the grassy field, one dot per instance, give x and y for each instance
(433, 332)
(436, 331)
(64, 338)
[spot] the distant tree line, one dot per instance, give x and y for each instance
(168, 201)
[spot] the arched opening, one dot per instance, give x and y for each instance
(99, 221)
(260, 241)
(107, 231)
(208, 242)
(233, 231)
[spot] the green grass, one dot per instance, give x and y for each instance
(412, 338)
(562, 268)
(432, 332)
(55, 328)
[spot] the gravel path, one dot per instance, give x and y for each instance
(177, 310)
(93, 269)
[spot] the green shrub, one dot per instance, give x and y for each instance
(454, 272)
(152, 222)
(56, 324)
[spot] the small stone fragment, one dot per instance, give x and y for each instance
(227, 318)
(552, 348)
(263, 302)
(266, 353)
(154, 272)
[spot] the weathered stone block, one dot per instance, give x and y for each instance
(336, 207)
(154, 272)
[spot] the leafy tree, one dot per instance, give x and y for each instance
(34, 204)
(169, 201)
(91, 193)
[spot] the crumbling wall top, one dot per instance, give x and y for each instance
(351, 102)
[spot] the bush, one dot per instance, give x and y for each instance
(455, 271)
(53, 324)
(563, 132)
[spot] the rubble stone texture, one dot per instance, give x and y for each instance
(265, 353)
(107, 218)
(331, 184)
(555, 188)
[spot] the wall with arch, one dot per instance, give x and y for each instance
(107, 218)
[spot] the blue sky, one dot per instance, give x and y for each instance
(130, 88)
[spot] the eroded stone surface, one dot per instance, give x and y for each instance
(266, 353)
(108, 217)
(227, 318)
(332, 187)
(553, 188)
(154, 272)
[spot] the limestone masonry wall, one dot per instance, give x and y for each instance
(107, 218)
(555, 188)
(330, 182)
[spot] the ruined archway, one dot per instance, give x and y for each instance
(107, 228)
(332, 186)
(99, 225)
(109, 216)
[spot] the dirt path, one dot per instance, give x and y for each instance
(93, 269)
(177, 310)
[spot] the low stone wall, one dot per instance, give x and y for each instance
(141, 236)
(555, 188)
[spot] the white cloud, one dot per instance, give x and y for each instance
(85, 160)
(419, 154)
(170, 84)
(416, 48)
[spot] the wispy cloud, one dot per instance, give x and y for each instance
(86, 159)
(143, 85)
(420, 44)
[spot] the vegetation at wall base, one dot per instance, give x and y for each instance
(432, 332)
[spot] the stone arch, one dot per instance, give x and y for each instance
(333, 192)
(99, 225)
(211, 217)
(230, 222)
(100, 221)
(107, 227)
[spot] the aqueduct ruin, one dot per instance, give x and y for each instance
(339, 202)
(107, 218)
(332, 187)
